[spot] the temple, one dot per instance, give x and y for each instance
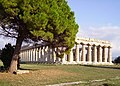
(86, 51)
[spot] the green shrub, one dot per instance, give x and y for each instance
(6, 55)
(117, 60)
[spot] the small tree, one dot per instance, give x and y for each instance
(117, 60)
(6, 55)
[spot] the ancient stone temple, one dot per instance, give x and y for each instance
(86, 51)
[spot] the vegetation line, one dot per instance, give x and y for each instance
(83, 82)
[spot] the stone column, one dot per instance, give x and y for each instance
(89, 53)
(54, 58)
(37, 54)
(83, 56)
(48, 52)
(71, 56)
(30, 55)
(63, 59)
(32, 51)
(21, 55)
(100, 54)
(77, 53)
(42, 54)
(25, 55)
(104, 54)
(34, 54)
(39, 59)
(94, 54)
(109, 55)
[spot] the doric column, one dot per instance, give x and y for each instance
(25, 55)
(100, 54)
(109, 55)
(89, 53)
(30, 55)
(39, 59)
(20, 55)
(77, 53)
(32, 51)
(71, 56)
(104, 54)
(83, 57)
(63, 59)
(94, 54)
(34, 54)
(37, 54)
(54, 58)
(42, 54)
(48, 52)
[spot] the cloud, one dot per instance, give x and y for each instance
(4, 40)
(109, 32)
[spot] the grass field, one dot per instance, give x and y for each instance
(48, 74)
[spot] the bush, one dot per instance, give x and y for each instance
(117, 60)
(6, 55)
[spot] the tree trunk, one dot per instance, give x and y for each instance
(13, 65)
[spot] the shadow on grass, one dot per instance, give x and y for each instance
(2, 70)
(28, 69)
(109, 67)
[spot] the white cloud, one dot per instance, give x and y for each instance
(4, 40)
(109, 32)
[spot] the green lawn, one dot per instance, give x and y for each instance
(47, 74)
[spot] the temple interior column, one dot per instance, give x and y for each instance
(77, 53)
(89, 53)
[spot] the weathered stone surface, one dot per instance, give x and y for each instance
(22, 71)
(87, 51)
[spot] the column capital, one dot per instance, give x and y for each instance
(77, 43)
(105, 46)
(109, 46)
(94, 45)
(82, 43)
(89, 44)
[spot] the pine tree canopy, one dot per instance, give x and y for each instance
(51, 21)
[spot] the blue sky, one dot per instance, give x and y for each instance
(96, 12)
(98, 19)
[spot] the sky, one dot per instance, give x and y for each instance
(98, 19)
